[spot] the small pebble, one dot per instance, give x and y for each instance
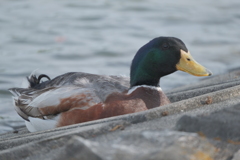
(164, 113)
(15, 131)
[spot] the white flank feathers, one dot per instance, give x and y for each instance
(37, 124)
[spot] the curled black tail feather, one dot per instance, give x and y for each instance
(42, 76)
(33, 80)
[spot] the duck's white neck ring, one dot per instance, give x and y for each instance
(145, 86)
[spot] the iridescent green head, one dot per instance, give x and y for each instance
(162, 56)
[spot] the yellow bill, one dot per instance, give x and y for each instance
(189, 65)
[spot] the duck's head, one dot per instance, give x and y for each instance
(162, 56)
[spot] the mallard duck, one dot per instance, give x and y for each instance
(78, 97)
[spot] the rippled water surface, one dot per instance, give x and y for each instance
(56, 36)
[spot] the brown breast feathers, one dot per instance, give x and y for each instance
(142, 98)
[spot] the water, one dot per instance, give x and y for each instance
(56, 36)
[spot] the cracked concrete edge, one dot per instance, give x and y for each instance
(22, 150)
(83, 131)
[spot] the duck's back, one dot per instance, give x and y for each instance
(82, 79)
(101, 84)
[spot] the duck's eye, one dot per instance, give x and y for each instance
(165, 46)
(188, 59)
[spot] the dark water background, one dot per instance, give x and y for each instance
(58, 36)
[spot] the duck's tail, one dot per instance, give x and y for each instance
(33, 80)
(21, 99)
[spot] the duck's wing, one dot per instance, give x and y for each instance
(42, 111)
(52, 101)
